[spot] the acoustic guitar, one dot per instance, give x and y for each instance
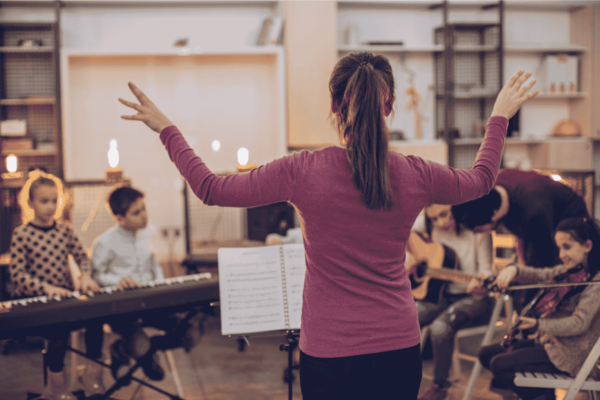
(435, 266)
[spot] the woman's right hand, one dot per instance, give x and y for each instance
(55, 291)
(512, 95)
(148, 112)
(506, 276)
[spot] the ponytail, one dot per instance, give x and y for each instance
(362, 91)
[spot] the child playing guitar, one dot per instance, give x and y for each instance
(459, 304)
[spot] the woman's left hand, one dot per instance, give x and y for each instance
(148, 113)
(527, 323)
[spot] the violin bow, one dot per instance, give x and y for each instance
(549, 285)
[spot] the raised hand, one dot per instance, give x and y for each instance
(513, 95)
(147, 112)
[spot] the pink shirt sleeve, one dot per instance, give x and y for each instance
(267, 184)
(275, 181)
(455, 186)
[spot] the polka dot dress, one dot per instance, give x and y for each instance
(39, 255)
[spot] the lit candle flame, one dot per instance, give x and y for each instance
(243, 156)
(11, 163)
(113, 154)
(216, 145)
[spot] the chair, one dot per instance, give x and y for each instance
(496, 325)
(503, 241)
(574, 385)
(499, 326)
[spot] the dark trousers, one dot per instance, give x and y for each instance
(126, 328)
(526, 355)
(446, 317)
(382, 376)
(58, 340)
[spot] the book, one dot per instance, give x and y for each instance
(261, 288)
(13, 127)
(263, 34)
(16, 144)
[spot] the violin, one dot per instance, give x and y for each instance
(545, 301)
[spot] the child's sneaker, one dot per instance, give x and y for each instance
(151, 367)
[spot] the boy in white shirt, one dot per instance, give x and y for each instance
(122, 258)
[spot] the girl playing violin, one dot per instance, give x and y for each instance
(565, 320)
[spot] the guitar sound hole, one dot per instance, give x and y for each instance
(421, 270)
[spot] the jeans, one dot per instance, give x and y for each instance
(526, 355)
(388, 375)
(447, 316)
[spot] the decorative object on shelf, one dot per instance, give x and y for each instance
(29, 43)
(383, 43)
(181, 42)
(13, 178)
(350, 34)
(13, 127)
(397, 134)
(276, 31)
(413, 104)
(567, 128)
(559, 74)
(114, 173)
(263, 34)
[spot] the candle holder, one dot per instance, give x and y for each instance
(114, 175)
(246, 168)
(13, 179)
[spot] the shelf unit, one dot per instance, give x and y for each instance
(29, 66)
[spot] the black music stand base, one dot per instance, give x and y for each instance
(292, 339)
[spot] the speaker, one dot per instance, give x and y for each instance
(273, 218)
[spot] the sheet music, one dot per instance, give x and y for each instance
(295, 270)
(250, 289)
(261, 288)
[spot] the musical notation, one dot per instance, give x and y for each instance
(254, 297)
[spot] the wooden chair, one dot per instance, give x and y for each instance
(503, 241)
(574, 385)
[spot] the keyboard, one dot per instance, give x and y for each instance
(30, 316)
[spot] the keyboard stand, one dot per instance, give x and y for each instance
(124, 380)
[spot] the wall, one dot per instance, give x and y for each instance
(233, 98)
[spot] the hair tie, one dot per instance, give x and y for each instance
(362, 64)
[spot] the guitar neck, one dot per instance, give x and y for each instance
(451, 275)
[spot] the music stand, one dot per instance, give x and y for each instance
(292, 338)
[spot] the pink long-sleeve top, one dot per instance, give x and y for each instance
(357, 297)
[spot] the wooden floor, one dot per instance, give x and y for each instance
(214, 370)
